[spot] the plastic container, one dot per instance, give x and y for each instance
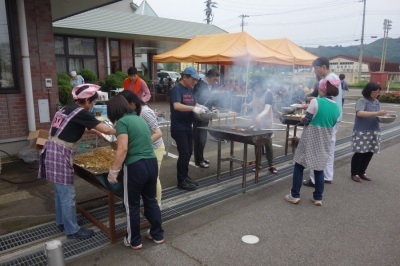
(100, 108)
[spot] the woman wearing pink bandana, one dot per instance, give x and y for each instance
(314, 148)
(56, 160)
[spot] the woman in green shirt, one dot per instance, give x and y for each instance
(135, 153)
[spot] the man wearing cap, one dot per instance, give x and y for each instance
(203, 95)
(56, 159)
(137, 85)
(182, 104)
(76, 79)
(322, 71)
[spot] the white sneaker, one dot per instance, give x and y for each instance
(290, 199)
(126, 243)
(317, 202)
(150, 237)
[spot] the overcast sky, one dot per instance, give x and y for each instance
(306, 22)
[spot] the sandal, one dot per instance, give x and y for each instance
(273, 170)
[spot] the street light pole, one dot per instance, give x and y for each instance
(362, 44)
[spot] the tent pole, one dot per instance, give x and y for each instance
(247, 84)
(291, 88)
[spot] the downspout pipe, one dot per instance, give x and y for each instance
(26, 65)
(108, 56)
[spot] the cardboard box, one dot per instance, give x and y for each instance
(38, 138)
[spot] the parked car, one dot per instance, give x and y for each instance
(166, 79)
(168, 74)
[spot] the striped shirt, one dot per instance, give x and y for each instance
(151, 119)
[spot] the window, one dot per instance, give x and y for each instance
(115, 56)
(75, 53)
(7, 60)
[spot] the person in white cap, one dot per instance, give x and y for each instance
(56, 158)
(76, 79)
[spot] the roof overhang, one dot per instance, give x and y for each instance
(65, 8)
(149, 34)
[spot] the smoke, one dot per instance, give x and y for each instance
(240, 84)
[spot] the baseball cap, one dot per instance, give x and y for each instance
(73, 73)
(85, 91)
(192, 72)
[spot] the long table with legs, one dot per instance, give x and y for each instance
(111, 195)
(288, 121)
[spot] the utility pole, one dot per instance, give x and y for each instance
(208, 10)
(243, 16)
(362, 44)
(386, 27)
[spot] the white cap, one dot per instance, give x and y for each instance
(73, 73)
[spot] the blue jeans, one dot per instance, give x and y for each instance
(298, 180)
(141, 180)
(65, 199)
(184, 143)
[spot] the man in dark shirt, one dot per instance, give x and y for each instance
(182, 104)
(203, 95)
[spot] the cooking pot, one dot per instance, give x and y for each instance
(205, 117)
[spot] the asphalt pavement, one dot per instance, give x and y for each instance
(357, 224)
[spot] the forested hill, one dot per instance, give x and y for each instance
(373, 49)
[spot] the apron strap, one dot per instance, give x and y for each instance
(64, 119)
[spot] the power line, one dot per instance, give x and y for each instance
(297, 3)
(305, 10)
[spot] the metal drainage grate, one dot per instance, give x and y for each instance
(47, 230)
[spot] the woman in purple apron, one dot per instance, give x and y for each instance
(56, 163)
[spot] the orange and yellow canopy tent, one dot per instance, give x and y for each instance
(224, 49)
(298, 55)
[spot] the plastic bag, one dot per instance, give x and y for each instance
(29, 155)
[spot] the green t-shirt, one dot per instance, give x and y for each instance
(327, 114)
(139, 138)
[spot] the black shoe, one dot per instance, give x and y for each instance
(308, 183)
(190, 180)
(202, 165)
(61, 227)
(328, 182)
(206, 161)
(82, 234)
(186, 185)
